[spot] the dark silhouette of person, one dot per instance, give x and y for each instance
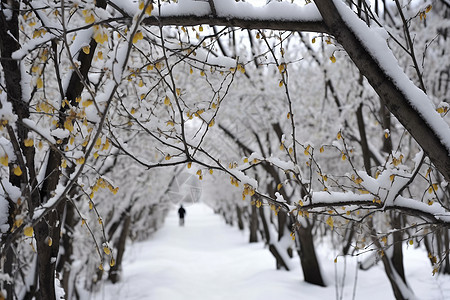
(181, 213)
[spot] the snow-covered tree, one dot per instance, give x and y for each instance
(290, 100)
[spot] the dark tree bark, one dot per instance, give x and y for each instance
(254, 225)
(308, 257)
(114, 272)
(240, 222)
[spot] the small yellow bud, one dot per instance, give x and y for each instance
(149, 9)
(330, 222)
(4, 160)
(137, 37)
(28, 231)
(17, 171)
(86, 49)
(39, 83)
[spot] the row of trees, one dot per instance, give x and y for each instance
(104, 103)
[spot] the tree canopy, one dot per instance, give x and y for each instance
(327, 117)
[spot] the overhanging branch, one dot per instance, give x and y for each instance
(244, 23)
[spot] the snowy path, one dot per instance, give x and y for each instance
(208, 260)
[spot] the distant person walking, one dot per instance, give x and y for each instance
(181, 213)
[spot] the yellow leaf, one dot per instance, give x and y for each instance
(112, 262)
(358, 180)
(35, 69)
(68, 124)
(17, 171)
(96, 155)
(321, 149)
(137, 37)
(86, 49)
(313, 40)
(210, 171)
(279, 186)
(149, 9)
(411, 242)
(80, 160)
(39, 83)
(167, 101)
(100, 267)
(189, 165)
(333, 59)
(89, 18)
(211, 123)
(339, 135)
(49, 241)
(168, 157)
(106, 145)
(107, 250)
(28, 231)
(64, 164)
(141, 5)
(87, 103)
(98, 142)
(28, 142)
(330, 222)
(429, 7)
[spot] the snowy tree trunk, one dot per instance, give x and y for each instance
(280, 263)
(308, 258)
(254, 225)
(114, 272)
(240, 222)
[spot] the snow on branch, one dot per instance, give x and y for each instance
(275, 15)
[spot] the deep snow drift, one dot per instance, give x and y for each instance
(209, 260)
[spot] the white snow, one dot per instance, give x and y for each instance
(207, 259)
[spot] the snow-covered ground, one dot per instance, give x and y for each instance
(209, 260)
